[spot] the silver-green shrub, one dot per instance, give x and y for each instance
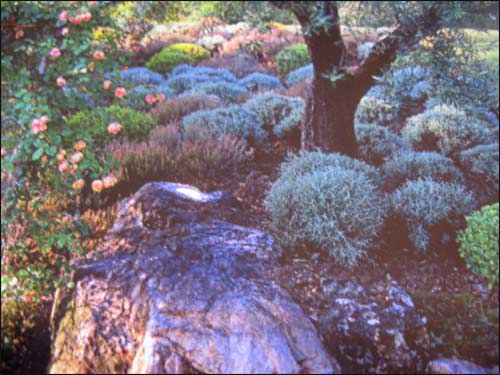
(225, 91)
(258, 81)
(305, 162)
(377, 143)
(376, 110)
(445, 129)
(233, 120)
(280, 113)
(480, 166)
(414, 165)
(299, 75)
(427, 207)
(336, 210)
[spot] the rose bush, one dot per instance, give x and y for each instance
(51, 68)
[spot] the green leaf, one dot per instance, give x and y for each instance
(37, 154)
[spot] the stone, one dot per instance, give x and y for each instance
(456, 366)
(183, 291)
(372, 328)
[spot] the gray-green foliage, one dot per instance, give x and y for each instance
(480, 166)
(300, 74)
(377, 143)
(310, 161)
(376, 109)
(234, 120)
(445, 129)
(337, 210)
(258, 81)
(426, 206)
(280, 113)
(414, 165)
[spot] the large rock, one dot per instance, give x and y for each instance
(183, 292)
(372, 329)
(457, 366)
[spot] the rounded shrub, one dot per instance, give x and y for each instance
(414, 165)
(141, 76)
(280, 113)
(299, 75)
(259, 81)
(136, 97)
(227, 92)
(214, 73)
(336, 210)
(291, 58)
(431, 210)
(376, 110)
(480, 166)
(479, 243)
(233, 120)
(377, 143)
(304, 162)
(175, 109)
(135, 125)
(445, 129)
(179, 53)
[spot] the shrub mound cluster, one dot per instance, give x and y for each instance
(376, 109)
(259, 81)
(175, 109)
(300, 75)
(479, 243)
(179, 53)
(319, 201)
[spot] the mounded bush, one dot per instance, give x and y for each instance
(415, 165)
(445, 129)
(280, 113)
(136, 97)
(227, 92)
(336, 210)
(259, 81)
(175, 109)
(480, 166)
(299, 75)
(291, 58)
(213, 73)
(234, 120)
(479, 243)
(185, 78)
(305, 162)
(142, 76)
(179, 53)
(377, 143)
(135, 125)
(376, 110)
(431, 210)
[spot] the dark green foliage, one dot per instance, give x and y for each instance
(180, 53)
(291, 58)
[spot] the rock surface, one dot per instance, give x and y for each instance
(372, 329)
(183, 292)
(457, 366)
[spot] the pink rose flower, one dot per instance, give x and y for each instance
(4, 151)
(150, 99)
(109, 181)
(63, 16)
(61, 155)
(61, 81)
(114, 128)
(78, 184)
(76, 157)
(107, 85)
(38, 126)
(98, 55)
(64, 31)
(80, 145)
(97, 186)
(86, 17)
(75, 20)
(120, 92)
(54, 52)
(63, 166)
(160, 97)
(44, 119)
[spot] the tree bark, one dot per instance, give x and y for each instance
(329, 119)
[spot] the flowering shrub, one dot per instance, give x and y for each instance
(291, 58)
(480, 166)
(336, 210)
(479, 243)
(180, 53)
(299, 75)
(415, 165)
(280, 113)
(144, 97)
(175, 109)
(377, 143)
(234, 120)
(258, 81)
(431, 210)
(96, 124)
(445, 129)
(48, 61)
